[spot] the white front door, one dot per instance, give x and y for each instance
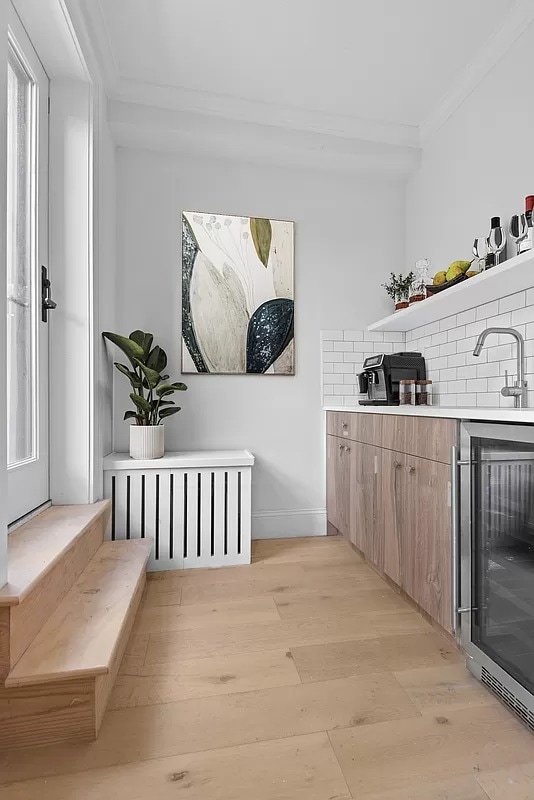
(27, 253)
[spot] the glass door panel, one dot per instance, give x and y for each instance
(27, 250)
(21, 294)
(502, 618)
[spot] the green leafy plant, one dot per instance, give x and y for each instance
(151, 388)
(398, 285)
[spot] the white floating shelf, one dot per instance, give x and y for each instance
(513, 275)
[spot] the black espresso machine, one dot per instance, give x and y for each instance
(382, 373)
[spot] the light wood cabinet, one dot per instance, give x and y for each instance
(393, 504)
(338, 468)
(365, 522)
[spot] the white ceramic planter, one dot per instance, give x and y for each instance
(147, 441)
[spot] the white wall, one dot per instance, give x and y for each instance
(478, 165)
(349, 234)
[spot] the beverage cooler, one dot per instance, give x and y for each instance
(493, 563)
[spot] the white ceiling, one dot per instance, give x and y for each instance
(339, 74)
(381, 60)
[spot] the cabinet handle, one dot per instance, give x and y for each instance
(344, 426)
(411, 469)
(397, 464)
(340, 447)
(347, 449)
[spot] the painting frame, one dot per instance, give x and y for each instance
(238, 295)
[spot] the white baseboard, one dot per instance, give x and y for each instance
(289, 524)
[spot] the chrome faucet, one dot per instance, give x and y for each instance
(519, 388)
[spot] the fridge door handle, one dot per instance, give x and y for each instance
(455, 531)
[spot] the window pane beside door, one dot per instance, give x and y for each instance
(21, 273)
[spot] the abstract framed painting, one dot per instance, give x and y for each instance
(237, 295)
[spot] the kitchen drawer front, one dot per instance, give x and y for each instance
(426, 437)
(366, 428)
(338, 423)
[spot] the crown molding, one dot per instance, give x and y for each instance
(491, 52)
(154, 128)
(258, 113)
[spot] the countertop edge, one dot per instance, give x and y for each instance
(521, 415)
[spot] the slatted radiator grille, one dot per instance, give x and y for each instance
(197, 517)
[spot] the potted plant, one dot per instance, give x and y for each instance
(151, 391)
(398, 288)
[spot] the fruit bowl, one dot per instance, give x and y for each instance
(432, 289)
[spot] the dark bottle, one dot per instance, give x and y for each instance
(528, 243)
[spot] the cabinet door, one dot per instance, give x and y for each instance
(338, 484)
(396, 498)
(365, 527)
(432, 577)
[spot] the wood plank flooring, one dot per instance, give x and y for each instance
(301, 676)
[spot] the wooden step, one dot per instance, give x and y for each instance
(45, 558)
(59, 689)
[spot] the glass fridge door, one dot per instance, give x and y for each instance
(502, 554)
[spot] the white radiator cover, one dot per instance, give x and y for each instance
(196, 506)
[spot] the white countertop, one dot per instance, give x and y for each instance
(524, 415)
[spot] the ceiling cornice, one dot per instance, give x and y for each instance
(490, 53)
(154, 128)
(240, 110)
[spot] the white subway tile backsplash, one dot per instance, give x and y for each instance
(500, 321)
(523, 316)
(512, 302)
(469, 371)
(447, 323)
(356, 359)
(439, 338)
(459, 378)
(373, 336)
(467, 344)
(501, 352)
(456, 360)
(449, 374)
(466, 317)
(487, 400)
(448, 349)
(487, 310)
(476, 328)
(432, 352)
(487, 370)
(456, 333)
(477, 385)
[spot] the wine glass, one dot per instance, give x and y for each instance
(518, 229)
(480, 251)
(496, 239)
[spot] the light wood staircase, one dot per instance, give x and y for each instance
(65, 617)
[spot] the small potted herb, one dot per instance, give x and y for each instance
(150, 394)
(398, 288)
